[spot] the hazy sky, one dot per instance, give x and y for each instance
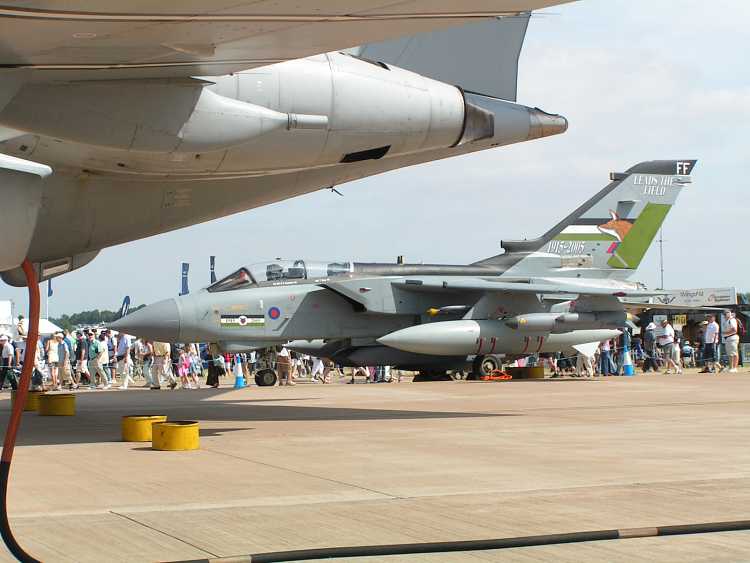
(638, 80)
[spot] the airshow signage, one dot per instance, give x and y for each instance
(702, 297)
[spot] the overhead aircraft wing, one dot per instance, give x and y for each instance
(483, 285)
(481, 57)
(113, 39)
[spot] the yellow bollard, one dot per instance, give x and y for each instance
(536, 372)
(32, 400)
(137, 427)
(178, 435)
(54, 404)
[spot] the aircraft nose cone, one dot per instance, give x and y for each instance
(543, 124)
(160, 321)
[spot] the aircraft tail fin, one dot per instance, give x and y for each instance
(611, 232)
(479, 57)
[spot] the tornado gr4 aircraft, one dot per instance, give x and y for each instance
(555, 292)
(120, 120)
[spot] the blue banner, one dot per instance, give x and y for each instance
(49, 287)
(213, 269)
(185, 270)
(124, 307)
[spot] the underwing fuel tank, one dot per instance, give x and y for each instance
(556, 322)
(467, 337)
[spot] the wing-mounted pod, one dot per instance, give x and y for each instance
(20, 181)
(181, 116)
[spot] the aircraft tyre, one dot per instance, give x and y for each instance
(266, 378)
(484, 365)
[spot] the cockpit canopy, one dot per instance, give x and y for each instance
(279, 271)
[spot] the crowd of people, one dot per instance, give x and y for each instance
(660, 348)
(98, 358)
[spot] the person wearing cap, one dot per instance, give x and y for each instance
(665, 340)
(730, 331)
(710, 343)
(6, 361)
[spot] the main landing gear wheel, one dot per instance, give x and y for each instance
(265, 378)
(485, 365)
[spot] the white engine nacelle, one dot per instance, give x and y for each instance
(319, 111)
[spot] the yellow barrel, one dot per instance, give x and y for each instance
(177, 435)
(57, 404)
(536, 372)
(32, 400)
(137, 427)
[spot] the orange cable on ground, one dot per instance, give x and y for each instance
(15, 416)
(497, 375)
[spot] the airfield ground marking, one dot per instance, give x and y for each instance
(304, 474)
(179, 539)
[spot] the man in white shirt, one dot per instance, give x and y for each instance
(124, 365)
(710, 342)
(665, 339)
(6, 362)
(729, 329)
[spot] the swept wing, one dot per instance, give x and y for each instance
(88, 40)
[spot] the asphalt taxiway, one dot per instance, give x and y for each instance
(320, 466)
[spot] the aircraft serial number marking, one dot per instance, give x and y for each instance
(566, 247)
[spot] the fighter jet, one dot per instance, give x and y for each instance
(561, 290)
(127, 120)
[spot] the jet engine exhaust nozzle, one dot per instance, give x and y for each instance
(543, 124)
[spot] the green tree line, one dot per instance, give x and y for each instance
(89, 318)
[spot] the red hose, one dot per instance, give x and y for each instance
(15, 416)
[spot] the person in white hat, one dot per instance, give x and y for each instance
(6, 361)
(666, 344)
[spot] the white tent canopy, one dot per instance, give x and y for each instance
(45, 327)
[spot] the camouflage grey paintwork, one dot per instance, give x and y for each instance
(358, 304)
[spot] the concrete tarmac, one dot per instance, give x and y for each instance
(333, 465)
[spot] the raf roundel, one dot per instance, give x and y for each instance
(274, 313)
